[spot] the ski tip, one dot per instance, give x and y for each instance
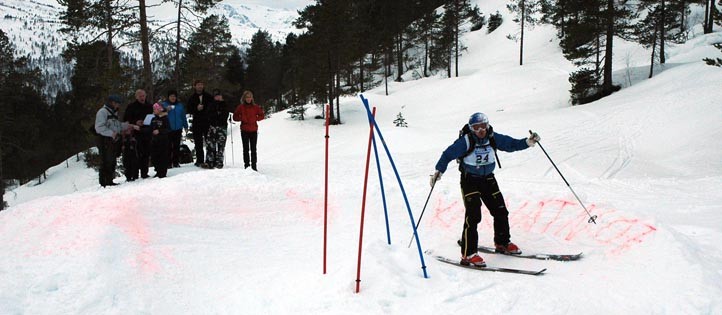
(540, 272)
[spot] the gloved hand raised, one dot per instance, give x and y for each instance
(435, 177)
(533, 139)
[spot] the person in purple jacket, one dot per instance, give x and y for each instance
(478, 184)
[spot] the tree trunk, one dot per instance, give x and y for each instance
(456, 41)
(654, 46)
(607, 84)
(598, 48)
(109, 28)
(338, 96)
(176, 73)
(361, 72)
(682, 27)
(448, 62)
(386, 70)
(332, 119)
(707, 10)
(399, 56)
(660, 24)
(712, 9)
(521, 45)
(426, 53)
(145, 44)
(563, 13)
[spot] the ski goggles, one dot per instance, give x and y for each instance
(479, 126)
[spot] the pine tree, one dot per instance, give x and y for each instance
(495, 20)
(209, 50)
(525, 10)
(88, 21)
(712, 16)
(23, 117)
(588, 42)
(400, 121)
(260, 74)
(185, 25)
(425, 28)
(443, 44)
(235, 72)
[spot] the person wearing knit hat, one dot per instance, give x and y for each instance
(178, 122)
(160, 143)
(109, 129)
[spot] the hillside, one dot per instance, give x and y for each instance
(33, 27)
(646, 160)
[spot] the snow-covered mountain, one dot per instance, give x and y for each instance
(33, 27)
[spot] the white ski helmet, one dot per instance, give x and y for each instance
(478, 118)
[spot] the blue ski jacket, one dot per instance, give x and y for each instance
(481, 161)
(176, 115)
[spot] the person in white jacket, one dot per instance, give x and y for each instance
(108, 128)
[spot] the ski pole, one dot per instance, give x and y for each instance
(233, 147)
(422, 213)
(592, 218)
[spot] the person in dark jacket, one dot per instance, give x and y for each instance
(177, 117)
(136, 114)
(109, 128)
(160, 143)
(249, 114)
(197, 103)
(217, 112)
(478, 185)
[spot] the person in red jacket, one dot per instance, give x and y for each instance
(249, 114)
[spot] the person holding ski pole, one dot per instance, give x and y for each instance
(475, 150)
(249, 114)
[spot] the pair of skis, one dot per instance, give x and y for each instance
(490, 250)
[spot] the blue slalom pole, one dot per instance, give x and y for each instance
(383, 192)
(398, 178)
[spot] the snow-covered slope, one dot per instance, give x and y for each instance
(646, 160)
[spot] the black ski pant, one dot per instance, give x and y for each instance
(159, 155)
(475, 190)
(175, 142)
(199, 134)
(107, 149)
(130, 158)
(143, 146)
(249, 138)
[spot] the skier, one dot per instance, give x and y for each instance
(478, 184)
(249, 114)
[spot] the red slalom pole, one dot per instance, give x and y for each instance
(325, 193)
(363, 201)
